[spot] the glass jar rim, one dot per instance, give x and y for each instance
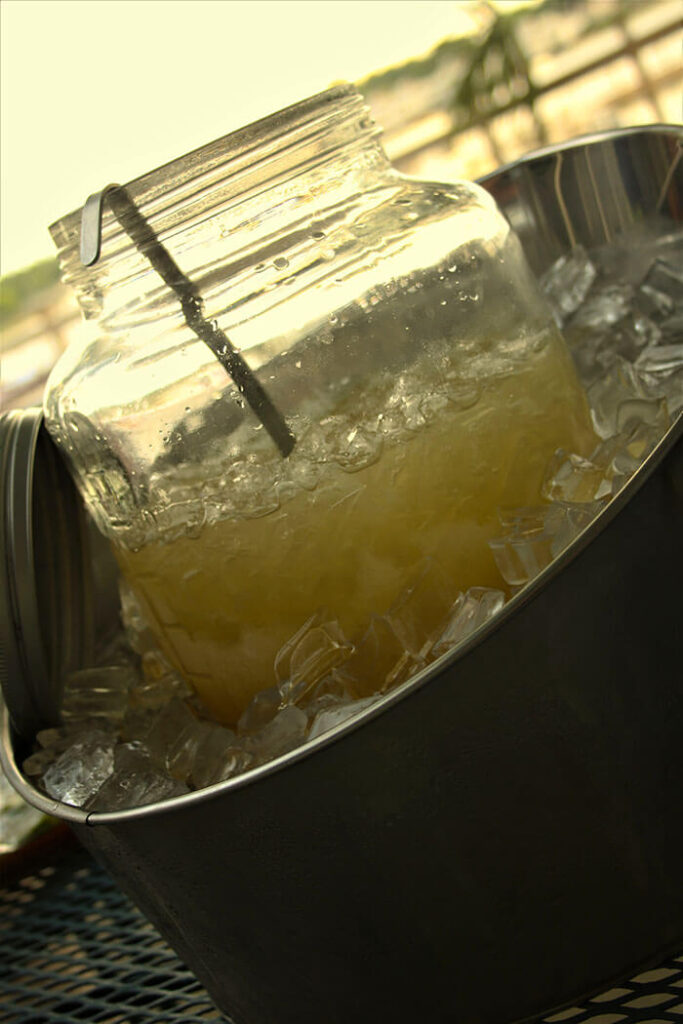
(342, 100)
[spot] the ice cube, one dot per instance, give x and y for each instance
(159, 684)
(308, 656)
(182, 752)
(53, 742)
(235, 762)
(530, 519)
(61, 737)
(574, 521)
(571, 478)
(519, 559)
(591, 355)
(567, 282)
(470, 611)
(220, 757)
(261, 709)
(284, 732)
(628, 339)
(672, 327)
(638, 441)
(661, 367)
(655, 304)
(604, 307)
(651, 412)
(324, 702)
(536, 535)
(131, 757)
(136, 723)
(98, 692)
(661, 292)
(379, 661)
(79, 772)
(171, 728)
(331, 717)
(662, 359)
(421, 610)
(335, 686)
(124, 789)
(620, 383)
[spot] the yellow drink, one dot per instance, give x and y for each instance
(222, 604)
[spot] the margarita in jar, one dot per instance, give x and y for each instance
(409, 470)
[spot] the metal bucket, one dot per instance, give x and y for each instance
(514, 808)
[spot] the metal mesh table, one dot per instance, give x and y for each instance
(74, 949)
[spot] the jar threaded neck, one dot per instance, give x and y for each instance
(227, 170)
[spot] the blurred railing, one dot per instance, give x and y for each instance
(536, 78)
(31, 344)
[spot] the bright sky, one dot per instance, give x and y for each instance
(94, 91)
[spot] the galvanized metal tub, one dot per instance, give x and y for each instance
(516, 806)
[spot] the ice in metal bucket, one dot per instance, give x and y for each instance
(320, 676)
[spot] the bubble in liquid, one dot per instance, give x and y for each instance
(280, 262)
(317, 234)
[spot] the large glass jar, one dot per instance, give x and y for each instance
(395, 329)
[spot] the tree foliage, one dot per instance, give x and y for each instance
(17, 289)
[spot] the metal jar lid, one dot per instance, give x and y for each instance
(46, 609)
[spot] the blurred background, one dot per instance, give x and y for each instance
(95, 91)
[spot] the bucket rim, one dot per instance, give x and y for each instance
(662, 128)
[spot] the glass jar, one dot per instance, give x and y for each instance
(401, 342)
